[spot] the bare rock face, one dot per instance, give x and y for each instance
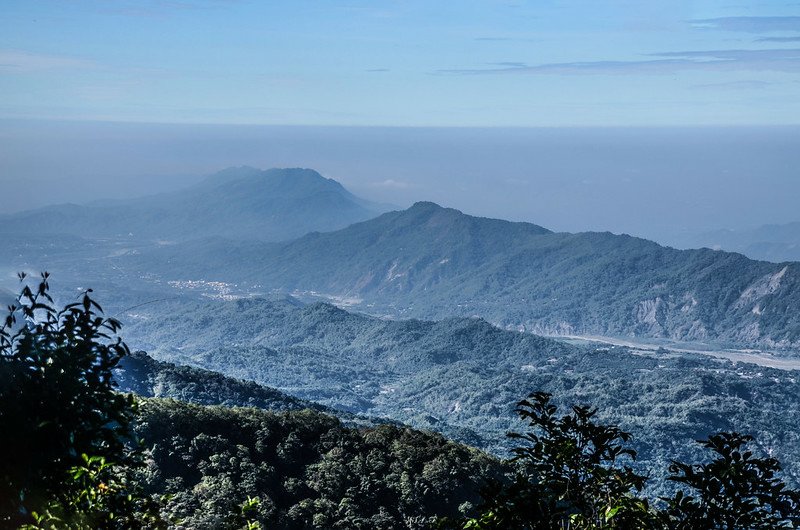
(768, 284)
(651, 316)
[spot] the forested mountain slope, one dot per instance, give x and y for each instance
(463, 377)
(307, 469)
(435, 262)
(141, 374)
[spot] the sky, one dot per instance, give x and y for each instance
(487, 63)
(653, 118)
(655, 182)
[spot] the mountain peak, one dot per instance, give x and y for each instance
(293, 183)
(238, 202)
(426, 205)
(284, 176)
(434, 215)
(304, 177)
(431, 208)
(231, 174)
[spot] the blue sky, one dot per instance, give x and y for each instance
(403, 63)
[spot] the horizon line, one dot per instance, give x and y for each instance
(4, 119)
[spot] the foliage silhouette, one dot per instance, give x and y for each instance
(570, 474)
(736, 490)
(64, 428)
(569, 477)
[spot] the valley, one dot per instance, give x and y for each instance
(464, 376)
(780, 360)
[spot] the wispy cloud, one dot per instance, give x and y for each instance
(750, 24)
(392, 184)
(779, 39)
(510, 64)
(19, 61)
(376, 70)
(662, 63)
(750, 84)
(518, 38)
(784, 60)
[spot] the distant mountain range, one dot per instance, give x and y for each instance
(426, 262)
(238, 203)
(772, 242)
(434, 262)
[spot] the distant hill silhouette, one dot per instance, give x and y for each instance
(773, 242)
(238, 203)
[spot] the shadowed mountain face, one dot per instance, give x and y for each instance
(435, 262)
(238, 203)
